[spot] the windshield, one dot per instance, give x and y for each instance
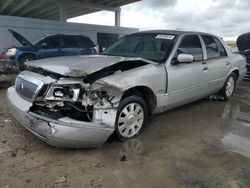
(35, 42)
(151, 46)
(38, 40)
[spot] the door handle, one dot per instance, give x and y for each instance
(228, 63)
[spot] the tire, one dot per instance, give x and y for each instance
(24, 59)
(229, 87)
(130, 122)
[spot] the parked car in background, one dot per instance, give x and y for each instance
(8, 71)
(243, 43)
(2, 56)
(49, 46)
(81, 101)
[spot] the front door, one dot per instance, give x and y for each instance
(187, 82)
(70, 46)
(49, 47)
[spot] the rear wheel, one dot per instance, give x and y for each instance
(132, 114)
(25, 59)
(229, 87)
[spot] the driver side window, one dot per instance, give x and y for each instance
(50, 42)
(191, 44)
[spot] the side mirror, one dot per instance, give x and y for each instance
(44, 45)
(185, 58)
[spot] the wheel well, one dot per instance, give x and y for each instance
(27, 54)
(236, 72)
(146, 93)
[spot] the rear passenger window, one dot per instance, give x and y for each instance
(214, 47)
(191, 44)
(85, 42)
(69, 41)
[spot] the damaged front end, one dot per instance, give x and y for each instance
(72, 98)
(72, 105)
(65, 112)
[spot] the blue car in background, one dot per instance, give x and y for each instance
(49, 46)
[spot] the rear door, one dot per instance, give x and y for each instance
(70, 46)
(49, 47)
(86, 46)
(217, 61)
(187, 81)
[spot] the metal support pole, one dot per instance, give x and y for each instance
(63, 12)
(118, 18)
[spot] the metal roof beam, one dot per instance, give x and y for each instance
(30, 9)
(80, 13)
(120, 2)
(19, 6)
(5, 5)
(50, 15)
(83, 4)
(75, 10)
(44, 11)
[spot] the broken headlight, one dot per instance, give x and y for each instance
(11, 52)
(63, 93)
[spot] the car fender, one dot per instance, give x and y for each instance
(21, 54)
(151, 76)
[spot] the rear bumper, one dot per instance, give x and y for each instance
(59, 133)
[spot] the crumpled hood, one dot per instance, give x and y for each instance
(79, 66)
(20, 38)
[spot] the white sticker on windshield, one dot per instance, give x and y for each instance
(166, 37)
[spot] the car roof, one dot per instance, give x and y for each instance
(176, 32)
(58, 34)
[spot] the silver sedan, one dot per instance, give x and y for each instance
(81, 101)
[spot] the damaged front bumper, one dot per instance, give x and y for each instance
(64, 132)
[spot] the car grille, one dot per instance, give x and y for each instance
(25, 89)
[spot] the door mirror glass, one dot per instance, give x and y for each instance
(185, 58)
(45, 45)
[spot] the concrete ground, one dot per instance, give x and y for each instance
(203, 145)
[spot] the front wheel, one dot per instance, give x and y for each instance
(25, 59)
(132, 114)
(229, 87)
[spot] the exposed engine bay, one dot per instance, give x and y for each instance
(83, 99)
